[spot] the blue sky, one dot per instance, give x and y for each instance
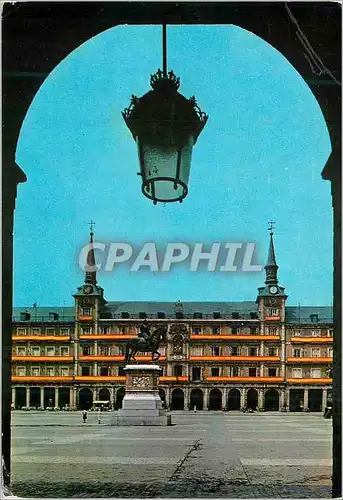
(259, 157)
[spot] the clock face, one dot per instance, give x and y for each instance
(87, 289)
(273, 289)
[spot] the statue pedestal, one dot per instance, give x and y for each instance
(142, 404)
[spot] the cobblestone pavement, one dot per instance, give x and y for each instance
(203, 454)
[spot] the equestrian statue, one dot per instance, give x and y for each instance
(146, 341)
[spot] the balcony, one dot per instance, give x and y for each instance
(41, 338)
(65, 359)
(116, 358)
(309, 380)
(272, 318)
(108, 336)
(173, 379)
(83, 317)
(256, 359)
(312, 340)
(264, 380)
(246, 337)
(90, 378)
(43, 378)
(309, 360)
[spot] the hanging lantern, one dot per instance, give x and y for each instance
(165, 126)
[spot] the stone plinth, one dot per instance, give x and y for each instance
(142, 404)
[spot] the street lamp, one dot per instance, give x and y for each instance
(165, 126)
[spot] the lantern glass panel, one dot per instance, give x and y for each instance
(165, 170)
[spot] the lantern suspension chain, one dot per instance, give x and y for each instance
(164, 49)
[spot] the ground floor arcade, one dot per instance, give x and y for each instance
(179, 397)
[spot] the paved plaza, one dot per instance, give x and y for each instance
(203, 454)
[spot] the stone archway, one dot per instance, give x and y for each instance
(19, 397)
(196, 399)
(104, 394)
(272, 400)
(85, 398)
(234, 399)
(177, 399)
(215, 400)
(252, 399)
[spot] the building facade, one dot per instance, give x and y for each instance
(259, 354)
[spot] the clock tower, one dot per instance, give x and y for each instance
(271, 297)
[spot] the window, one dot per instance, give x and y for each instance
(315, 353)
(21, 331)
(296, 353)
(50, 371)
(35, 331)
(215, 372)
(35, 371)
(21, 371)
(216, 314)
(85, 371)
(314, 318)
(105, 350)
(330, 352)
(252, 351)
(64, 351)
(252, 372)
(272, 351)
(216, 330)
(64, 371)
(106, 329)
(196, 330)
(123, 329)
(216, 350)
(274, 311)
(161, 315)
(53, 316)
(104, 371)
(86, 311)
(316, 372)
(35, 351)
(234, 351)
(253, 330)
(50, 331)
(50, 351)
(86, 330)
(271, 372)
(315, 333)
(235, 330)
(86, 350)
(197, 350)
(234, 371)
(297, 372)
(25, 316)
(235, 315)
(142, 315)
(196, 373)
(122, 349)
(178, 371)
(330, 332)
(121, 372)
(272, 330)
(197, 315)
(21, 351)
(65, 331)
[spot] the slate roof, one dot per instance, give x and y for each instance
(115, 309)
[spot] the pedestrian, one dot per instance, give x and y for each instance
(99, 415)
(84, 416)
(195, 409)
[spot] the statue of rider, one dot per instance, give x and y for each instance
(144, 332)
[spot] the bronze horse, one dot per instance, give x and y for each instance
(139, 344)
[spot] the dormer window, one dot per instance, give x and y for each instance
(125, 315)
(86, 311)
(274, 311)
(216, 315)
(197, 315)
(161, 315)
(53, 316)
(235, 315)
(142, 315)
(253, 315)
(25, 316)
(314, 318)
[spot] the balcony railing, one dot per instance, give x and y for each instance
(66, 359)
(43, 319)
(42, 337)
(313, 359)
(246, 337)
(309, 380)
(312, 340)
(256, 359)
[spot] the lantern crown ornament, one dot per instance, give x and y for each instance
(165, 125)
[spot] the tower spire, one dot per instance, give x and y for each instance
(271, 267)
(91, 269)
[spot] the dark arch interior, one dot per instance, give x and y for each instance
(215, 400)
(271, 400)
(234, 400)
(197, 399)
(119, 397)
(85, 399)
(178, 397)
(252, 399)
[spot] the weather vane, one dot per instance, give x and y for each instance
(91, 224)
(271, 225)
